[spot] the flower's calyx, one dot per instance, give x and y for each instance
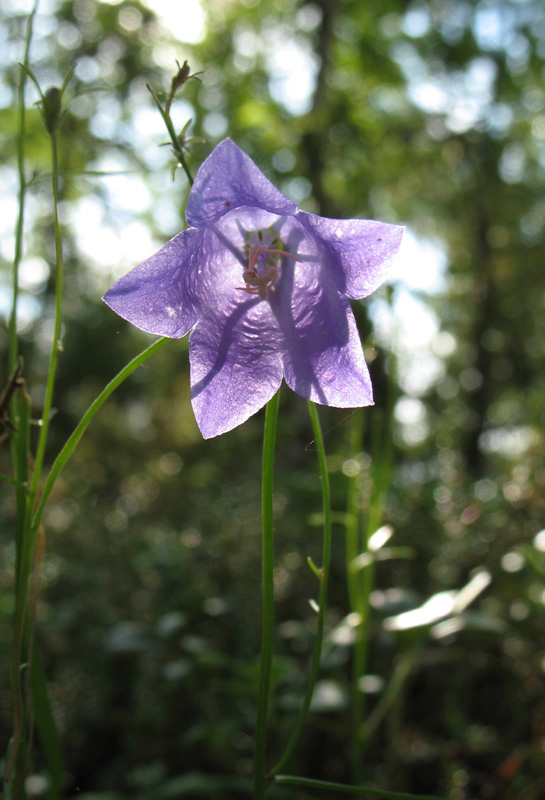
(50, 103)
(263, 263)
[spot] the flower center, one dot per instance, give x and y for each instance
(263, 267)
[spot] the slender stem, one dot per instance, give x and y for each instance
(365, 580)
(180, 155)
(73, 440)
(397, 681)
(21, 469)
(56, 343)
(21, 556)
(343, 788)
(324, 576)
(185, 167)
(28, 535)
(13, 348)
(25, 539)
(356, 544)
(381, 458)
(269, 438)
(20, 407)
(353, 514)
(39, 551)
(25, 560)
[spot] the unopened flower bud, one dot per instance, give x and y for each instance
(51, 109)
(181, 77)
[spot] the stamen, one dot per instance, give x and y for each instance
(260, 281)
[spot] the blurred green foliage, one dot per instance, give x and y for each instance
(429, 114)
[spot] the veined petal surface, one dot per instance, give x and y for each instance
(235, 363)
(359, 251)
(157, 296)
(322, 355)
(229, 179)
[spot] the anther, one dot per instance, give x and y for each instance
(261, 281)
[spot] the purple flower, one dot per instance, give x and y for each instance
(263, 288)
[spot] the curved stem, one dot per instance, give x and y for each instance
(343, 788)
(62, 458)
(324, 577)
(72, 441)
(269, 438)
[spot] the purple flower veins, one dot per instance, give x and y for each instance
(264, 290)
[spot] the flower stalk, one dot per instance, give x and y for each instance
(267, 589)
(13, 343)
(323, 575)
(26, 554)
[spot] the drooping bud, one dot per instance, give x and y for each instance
(51, 109)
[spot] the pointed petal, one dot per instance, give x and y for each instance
(322, 353)
(235, 365)
(229, 179)
(158, 296)
(358, 252)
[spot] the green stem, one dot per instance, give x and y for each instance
(353, 514)
(397, 681)
(13, 346)
(21, 449)
(28, 537)
(324, 577)
(381, 465)
(365, 580)
(172, 133)
(269, 438)
(20, 410)
(358, 590)
(56, 343)
(27, 548)
(20, 406)
(343, 788)
(78, 432)
(58, 464)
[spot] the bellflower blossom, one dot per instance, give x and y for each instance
(264, 289)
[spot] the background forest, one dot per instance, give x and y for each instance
(429, 114)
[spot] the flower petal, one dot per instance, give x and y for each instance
(359, 252)
(158, 296)
(235, 365)
(229, 179)
(322, 353)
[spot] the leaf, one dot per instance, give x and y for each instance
(47, 729)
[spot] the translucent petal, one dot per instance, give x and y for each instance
(229, 179)
(359, 252)
(159, 296)
(235, 363)
(321, 349)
